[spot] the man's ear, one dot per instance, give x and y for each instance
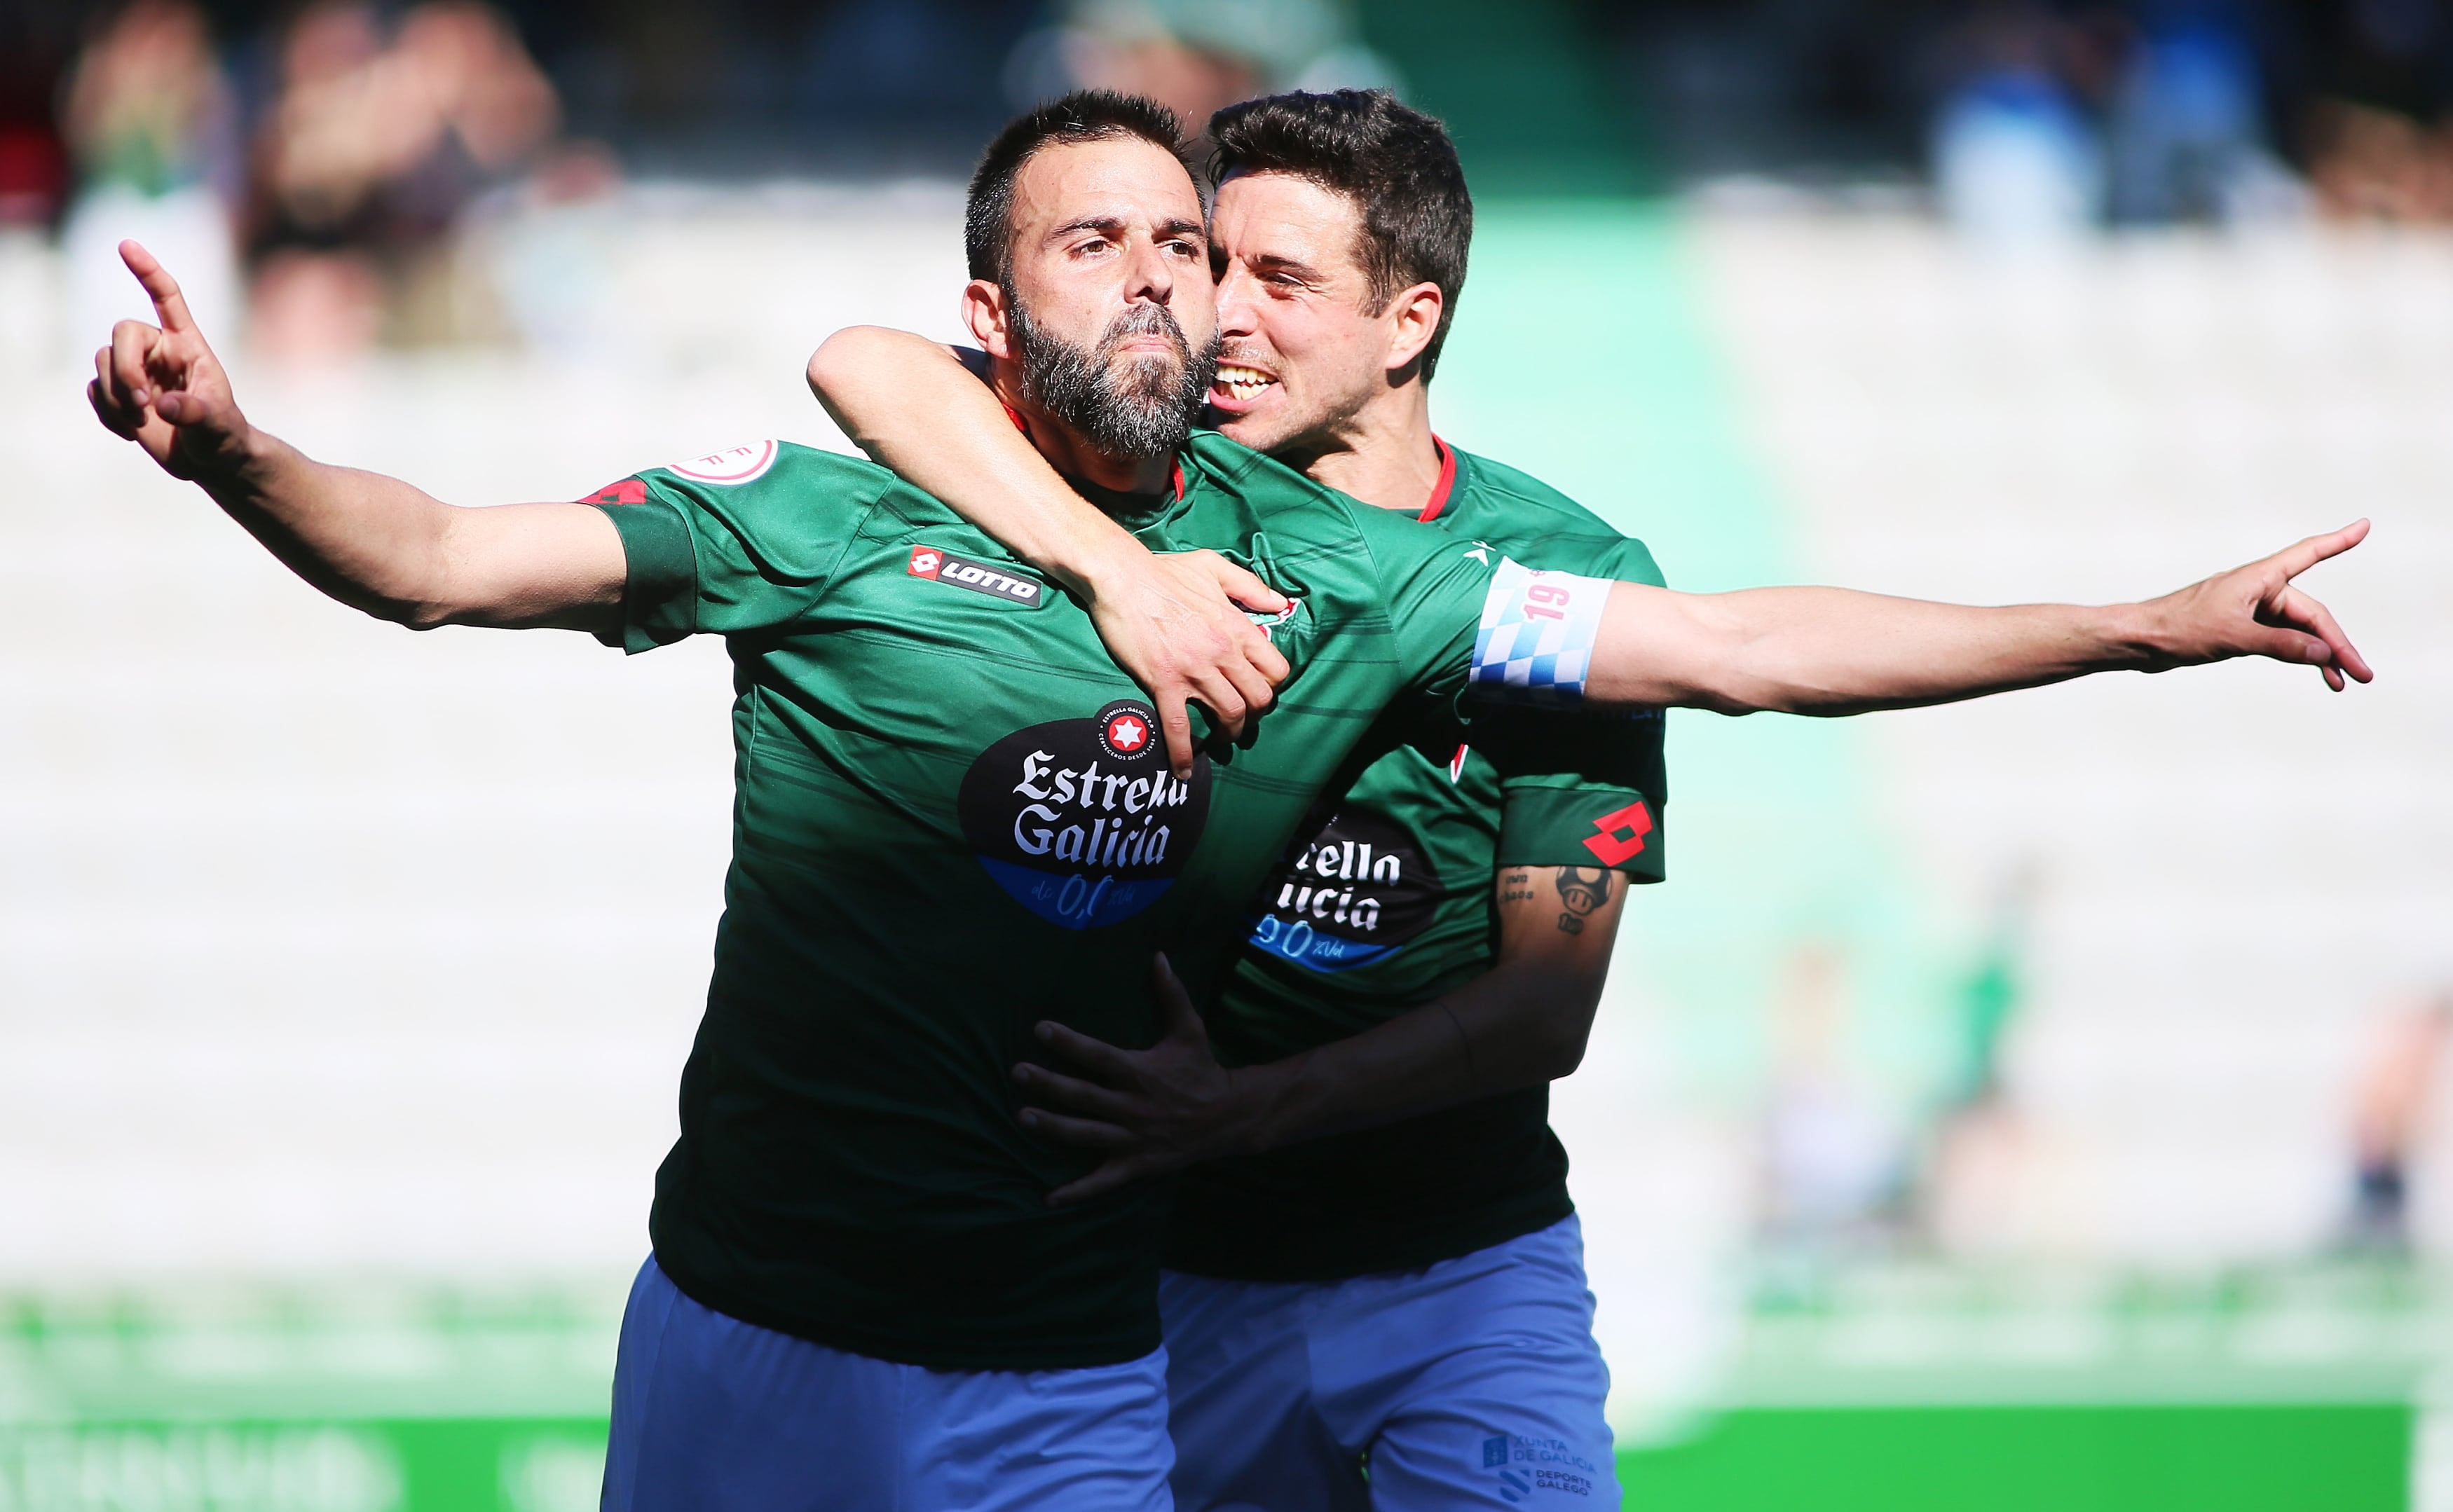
(1417, 310)
(984, 312)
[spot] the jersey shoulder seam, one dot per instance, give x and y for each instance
(875, 487)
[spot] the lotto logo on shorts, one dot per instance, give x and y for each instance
(939, 566)
(1538, 628)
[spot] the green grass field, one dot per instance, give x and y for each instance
(1890, 1387)
(2226, 1457)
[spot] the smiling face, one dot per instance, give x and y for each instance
(1107, 311)
(1303, 348)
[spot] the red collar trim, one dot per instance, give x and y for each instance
(1440, 489)
(1175, 469)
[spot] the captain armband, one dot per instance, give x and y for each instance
(1538, 629)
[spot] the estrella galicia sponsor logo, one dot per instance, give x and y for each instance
(1350, 892)
(1528, 1464)
(944, 566)
(1079, 820)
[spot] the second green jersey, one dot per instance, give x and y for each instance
(1385, 901)
(954, 819)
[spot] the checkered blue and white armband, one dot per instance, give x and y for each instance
(1538, 629)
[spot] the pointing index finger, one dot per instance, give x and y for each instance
(2300, 558)
(164, 289)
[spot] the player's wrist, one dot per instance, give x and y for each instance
(1102, 563)
(2146, 637)
(236, 459)
(1259, 1107)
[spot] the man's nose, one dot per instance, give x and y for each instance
(1150, 275)
(1238, 310)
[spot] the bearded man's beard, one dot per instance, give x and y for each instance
(1143, 408)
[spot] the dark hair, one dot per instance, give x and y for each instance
(1085, 115)
(1395, 162)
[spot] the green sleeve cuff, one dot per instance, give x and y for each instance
(1582, 825)
(660, 588)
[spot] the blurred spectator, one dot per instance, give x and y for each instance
(372, 148)
(2016, 162)
(2389, 1112)
(1198, 55)
(151, 134)
(2372, 164)
(2186, 130)
(547, 254)
(35, 47)
(1833, 1155)
(1985, 1168)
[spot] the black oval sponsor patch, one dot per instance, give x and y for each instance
(1079, 820)
(1352, 892)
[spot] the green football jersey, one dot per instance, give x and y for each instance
(952, 819)
(1385, 901)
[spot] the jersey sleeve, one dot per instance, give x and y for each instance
(1583, 787)
(735, 542)
(1433, 585)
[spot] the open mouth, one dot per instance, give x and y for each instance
(1239, 384)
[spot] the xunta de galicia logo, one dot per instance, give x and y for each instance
(1080, 821)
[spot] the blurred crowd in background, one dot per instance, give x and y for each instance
(312, 163)
(319, 174)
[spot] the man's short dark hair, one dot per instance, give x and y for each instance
(1085, 115)
(1396, 163)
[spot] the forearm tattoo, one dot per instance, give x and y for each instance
(1581, 890)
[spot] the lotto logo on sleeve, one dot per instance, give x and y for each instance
(1622, 835)
(1538, 629)
(629, 490)
(940, 567)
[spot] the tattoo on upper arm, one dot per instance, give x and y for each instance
(1581, 889)
(1516, 886)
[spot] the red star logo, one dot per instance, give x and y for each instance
(1622, 835)
(926, 561)
(1127, 733)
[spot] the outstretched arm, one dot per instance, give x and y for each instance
(372, 542)
(1520, 1024)
(1175, 622)
(1832, 651)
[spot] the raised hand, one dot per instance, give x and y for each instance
(2255, 611)
(1176, 622)
(1149, 1111)
(161, 385)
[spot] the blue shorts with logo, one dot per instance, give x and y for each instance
(712, 1414)
(1475, 1384)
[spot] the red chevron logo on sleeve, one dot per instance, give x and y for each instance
(1622, 835)
(629, 490)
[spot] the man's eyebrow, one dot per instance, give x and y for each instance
(1279, 262)
(1114, 225)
